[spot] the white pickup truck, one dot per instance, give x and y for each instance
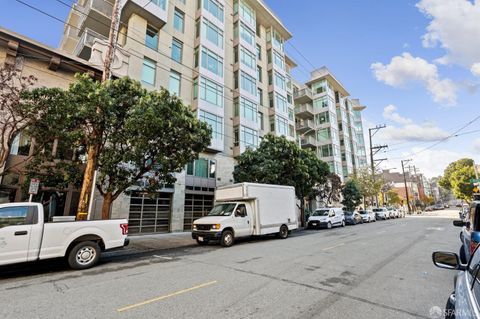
(26, 236)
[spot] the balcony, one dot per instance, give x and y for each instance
(308, 142)
(303, 127)
(303, 96)
(95, 15)
(154, 11)
(304, 111)
(85, 43)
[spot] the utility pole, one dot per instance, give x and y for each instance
(405, 182)
(373, 151)
(93, 150)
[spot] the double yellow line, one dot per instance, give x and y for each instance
(146, 302)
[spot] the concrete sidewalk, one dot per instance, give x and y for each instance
(154, 242)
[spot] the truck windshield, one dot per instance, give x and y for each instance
(323, 212)
(378, 210)
(222, 210)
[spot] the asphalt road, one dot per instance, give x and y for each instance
(377, 270)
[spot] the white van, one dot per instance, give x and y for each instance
(248, 209)
(327, 217)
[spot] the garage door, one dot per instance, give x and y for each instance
(149, 213)
(196, 206)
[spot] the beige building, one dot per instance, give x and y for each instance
(51, 68)
(225, 58)
(329, 122)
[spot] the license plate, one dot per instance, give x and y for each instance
(200, 238)
(314, 224)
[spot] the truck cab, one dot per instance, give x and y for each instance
(470, 233)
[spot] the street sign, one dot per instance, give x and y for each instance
(34, 185)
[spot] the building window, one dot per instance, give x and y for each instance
(248, 83)
(247, 58)
(324, 134)
(247, 13)
(259, 52)
(281, 126)
(202, 167)
(174, 83)
(212, 62)
(270, 100)
(269, 56)
(211, 92)
(246, 34)
(280, 81)
(179, 20)
(148, 71)
(160, 3)
(214, 7)
(177, 48)
(259, 73)
(151, 38)
(326, 150)
(248, 137)
(278, 60)
(260, 119)
(235, 80)
(323, 118)
(260, 96)
(213, 33)
(248, 110)
(215, 122)
(21, 144)
(281, 103)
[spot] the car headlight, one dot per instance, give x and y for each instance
(194, 227)
(216, 226)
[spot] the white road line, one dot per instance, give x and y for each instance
(163, 257)
(331, 247)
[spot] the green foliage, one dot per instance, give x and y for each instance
(351, 195)
(393, 198)
(368, 185)
(281, 162)
(457, 178)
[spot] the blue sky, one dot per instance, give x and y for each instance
(428, 98)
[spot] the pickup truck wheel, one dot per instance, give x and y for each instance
(283, 233)
(227, 238)
(84, 255)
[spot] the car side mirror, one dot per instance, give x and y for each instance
(459, 223)
(446, 260)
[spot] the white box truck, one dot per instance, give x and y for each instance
(248, 209)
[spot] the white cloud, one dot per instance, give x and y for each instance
(433, 162)
(389, 113)
(475, 69)
(454, 26)
(408, 130)
(405, 68)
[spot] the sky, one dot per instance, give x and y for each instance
(415, 64)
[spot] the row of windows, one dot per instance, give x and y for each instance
(246, 136)
(210, 31)
(148, 76)
(212, 61)
(212, 6)
(208, 91)
(202, 168)
(245, 33)
(246, 109)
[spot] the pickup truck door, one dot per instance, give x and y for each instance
(16, 224)
(242, 221)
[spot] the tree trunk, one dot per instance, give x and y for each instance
(302, 211)
(107, 205)
(87, 184)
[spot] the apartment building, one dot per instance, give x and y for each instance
(224, 58)
(329, 122)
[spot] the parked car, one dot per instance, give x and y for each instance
(381, 213)
(438, 207)
(353, 218)
(470, 233)
(247, 209)
(327, 217)
(27, 235)
(367, 216)
(462, 303)
(429, 208)
(401, 213)
(393, 212)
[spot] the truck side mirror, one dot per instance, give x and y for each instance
(459, 223)
(445, 260)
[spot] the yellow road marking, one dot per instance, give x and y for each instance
(331, 247)
(146, 302)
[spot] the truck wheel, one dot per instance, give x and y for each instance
(227, 238)
(283, 233)
(84, 255)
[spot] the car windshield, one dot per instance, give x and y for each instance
(222, 210)
(349, 213)
(321, 212)
(378, 210)
(363, 212)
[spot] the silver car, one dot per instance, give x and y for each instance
(381, 213)
(367, 216)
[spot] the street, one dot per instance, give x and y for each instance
(376, 270)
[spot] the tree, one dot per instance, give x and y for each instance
(14, 115)
(393, 198)
(330, 191)
(351, 195)
(145, 135)
(368, 185)
(457, 178)
(281, 162)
